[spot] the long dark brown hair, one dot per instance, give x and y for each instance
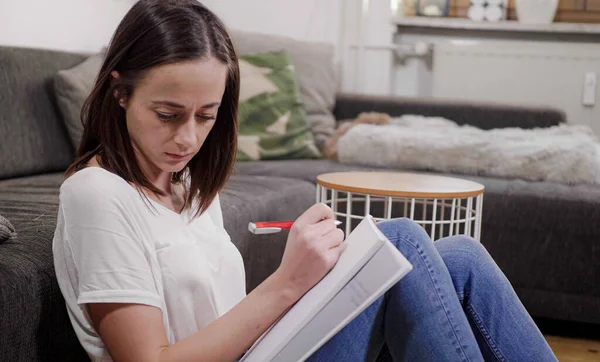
(157, 32)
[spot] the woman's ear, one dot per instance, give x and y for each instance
(114, 79)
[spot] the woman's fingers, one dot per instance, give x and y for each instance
(333, 239)
(314, 215)
(322, 227)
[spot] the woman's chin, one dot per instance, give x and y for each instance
(173, 166)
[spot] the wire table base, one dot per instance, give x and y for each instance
(439, 216)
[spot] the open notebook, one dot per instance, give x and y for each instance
(369, 266)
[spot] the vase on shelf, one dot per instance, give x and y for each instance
(432, 8)
(536, 11)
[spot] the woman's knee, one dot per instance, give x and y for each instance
(465, 245)
(463, 252)
(404, 230)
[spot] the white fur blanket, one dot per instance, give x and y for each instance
(566, 153)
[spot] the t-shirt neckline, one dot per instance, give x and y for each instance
(183, 214)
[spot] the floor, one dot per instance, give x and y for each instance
(574, 349)
(572, 342)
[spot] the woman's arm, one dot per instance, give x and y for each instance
(135, 332)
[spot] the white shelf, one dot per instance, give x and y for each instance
(503, 26)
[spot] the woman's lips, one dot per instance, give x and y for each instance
(177, 157)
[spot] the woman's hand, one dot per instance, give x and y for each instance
(314, 246)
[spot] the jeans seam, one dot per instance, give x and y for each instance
(486, 335)
(435, 283)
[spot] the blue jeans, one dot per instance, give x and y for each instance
(455, 305)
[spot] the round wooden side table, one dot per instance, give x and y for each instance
(444, 206)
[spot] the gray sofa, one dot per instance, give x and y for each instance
(544, 236)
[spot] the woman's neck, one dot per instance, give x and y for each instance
(157, 177)
(173, 194)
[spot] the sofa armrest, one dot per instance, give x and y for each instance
(481, 115)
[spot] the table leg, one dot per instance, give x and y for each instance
(348, 212)
(478, 217)
(469, 216)
(452, 215)
(433, 219)
(318, 193)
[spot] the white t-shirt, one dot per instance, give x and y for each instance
(112, 245)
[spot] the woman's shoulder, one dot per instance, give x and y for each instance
(96, 186)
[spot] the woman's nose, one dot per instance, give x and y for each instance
(185, 135)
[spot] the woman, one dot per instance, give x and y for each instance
(147, 270)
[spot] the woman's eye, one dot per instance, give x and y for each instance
(207, 117)
(165, 116)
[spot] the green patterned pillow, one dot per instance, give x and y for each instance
(272, 117)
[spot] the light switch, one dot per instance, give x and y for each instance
(589, 89)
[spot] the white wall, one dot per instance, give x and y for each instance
(86, 25)
(315, 20)
(72, 25)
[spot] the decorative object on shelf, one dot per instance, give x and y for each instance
(488, 10)
(536, 11)
(409, 7)
(434, 8)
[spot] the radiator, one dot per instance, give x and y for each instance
(562, 75)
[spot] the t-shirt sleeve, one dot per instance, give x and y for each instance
(112, 261)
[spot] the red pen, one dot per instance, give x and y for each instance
(271, 227)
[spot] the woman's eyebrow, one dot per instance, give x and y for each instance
(168, 103)
(177, 105)
(210, 105)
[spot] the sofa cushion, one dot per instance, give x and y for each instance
(271, 116)
(315, 70)
(33, 309)
(72, 87)
(33, 137)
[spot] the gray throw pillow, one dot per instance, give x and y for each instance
(72, 86)
(7, 231)
(315, 71)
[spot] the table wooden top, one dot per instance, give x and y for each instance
(401, 184)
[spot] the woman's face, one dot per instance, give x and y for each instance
(172, 110)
